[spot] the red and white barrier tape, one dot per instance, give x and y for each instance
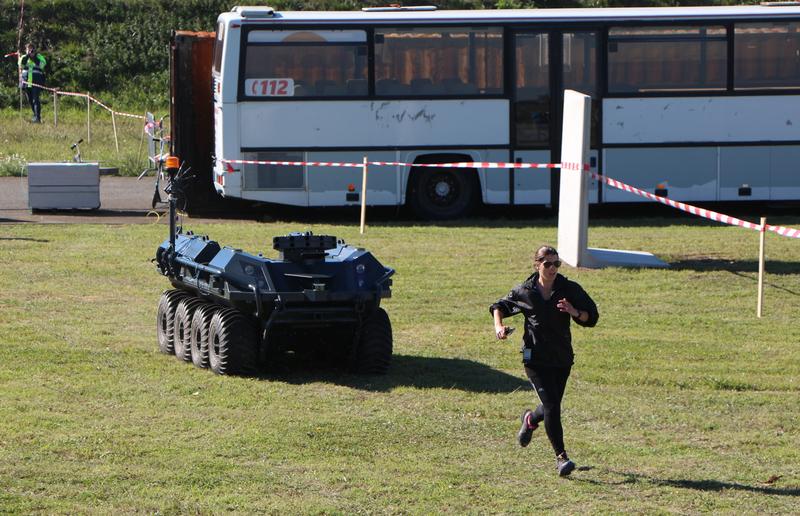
(84, 95)
(700, 212)
(688, 208)
(462, 164)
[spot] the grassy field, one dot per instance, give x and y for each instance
(681, 400)
(24, 142)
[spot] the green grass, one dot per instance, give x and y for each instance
(681, 400)
(22, 142)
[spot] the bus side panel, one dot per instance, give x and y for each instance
(701, 119)
(393, 123)
(744, 173)
(329, 186)
(532, 185)
(686, 173)
(784, 174)
(226, 113)
(494, 181)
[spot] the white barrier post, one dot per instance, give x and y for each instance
(762, 231)
(114, 124)
(88, 119)
(573, 201)
(364, 195)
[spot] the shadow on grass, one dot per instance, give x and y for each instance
(697, 485)
(26, 239)
(738, 267)
(412, 371)
(735, 266)
(99, 213)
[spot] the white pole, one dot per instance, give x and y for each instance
(114, 124)
(55, 108)
(364, 195)
(761, 267)
(88, 119)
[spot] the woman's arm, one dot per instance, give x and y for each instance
(499, 328)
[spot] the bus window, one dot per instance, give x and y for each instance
(648, 59)
(532, 89)
(579, 72)
(766, 55)
(259, 177)
(220, 39)
(439, 61)
(293, 63)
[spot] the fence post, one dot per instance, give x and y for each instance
(88, 119)
(364, 195)
(55, 108)
(114, 124)
(762, 232)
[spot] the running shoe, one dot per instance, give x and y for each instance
(564, 465)
(526, 430)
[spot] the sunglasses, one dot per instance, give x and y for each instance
(555, 264)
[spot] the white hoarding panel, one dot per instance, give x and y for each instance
(701, 119)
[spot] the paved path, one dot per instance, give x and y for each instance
(123, 200)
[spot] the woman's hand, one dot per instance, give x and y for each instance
(565, 306)
(500, 331)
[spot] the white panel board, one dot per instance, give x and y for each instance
(701, 119)
(573, 209)
(390, 123)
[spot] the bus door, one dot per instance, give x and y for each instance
(531, 114)
(538, 111)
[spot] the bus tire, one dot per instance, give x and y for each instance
(440, 194)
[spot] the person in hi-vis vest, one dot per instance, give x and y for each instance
(31, 66)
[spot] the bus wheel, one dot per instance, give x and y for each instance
(442, 194)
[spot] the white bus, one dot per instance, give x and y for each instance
(699, 104)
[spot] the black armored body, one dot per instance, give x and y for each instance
(236, 312)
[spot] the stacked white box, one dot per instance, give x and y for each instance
(63, 186)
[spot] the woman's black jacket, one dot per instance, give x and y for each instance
(547, 334)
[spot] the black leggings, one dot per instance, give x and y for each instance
(33, 100)
(549, 383)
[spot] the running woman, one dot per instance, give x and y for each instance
(548, 301)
